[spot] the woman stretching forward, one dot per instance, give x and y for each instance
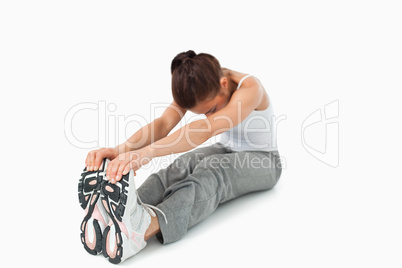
(119, 219)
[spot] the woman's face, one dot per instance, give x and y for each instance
(210, 106)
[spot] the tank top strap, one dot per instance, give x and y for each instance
(241, 80)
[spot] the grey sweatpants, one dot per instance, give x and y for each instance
(196, 182)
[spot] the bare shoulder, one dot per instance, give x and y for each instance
(236, 76)
(250, 86)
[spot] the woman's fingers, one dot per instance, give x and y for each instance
(87, 161)
(94, 158)
(98, 160)
(114, 174)
(120, 171)
(127, 168)
(117, 168)
(112, 168)
(90, 163)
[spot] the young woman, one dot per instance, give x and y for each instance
(175, 198)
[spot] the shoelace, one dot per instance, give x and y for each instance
(148, 207)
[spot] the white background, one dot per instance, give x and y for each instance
(57, 54)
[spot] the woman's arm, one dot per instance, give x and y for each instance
(241, 104)
(154, 131)
(144, 136)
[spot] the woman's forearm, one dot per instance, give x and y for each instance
(148, 134)
(182, 140)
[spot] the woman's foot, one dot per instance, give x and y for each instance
(130, 219)
(95, 219)
(122, 240)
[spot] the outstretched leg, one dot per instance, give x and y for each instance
(216, 179)
(154, 187)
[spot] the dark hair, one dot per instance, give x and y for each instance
(195, 78)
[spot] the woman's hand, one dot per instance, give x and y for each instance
(95, 157)
(123, 163)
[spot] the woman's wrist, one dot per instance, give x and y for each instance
(147, 153)
(120, 149)
(140, 157)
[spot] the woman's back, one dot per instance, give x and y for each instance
(255, 133)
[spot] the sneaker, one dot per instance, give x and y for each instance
(130, 219)
(96, 218)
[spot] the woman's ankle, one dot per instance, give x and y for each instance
(153, 228)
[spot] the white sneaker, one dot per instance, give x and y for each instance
(96, 218)
(124, 237)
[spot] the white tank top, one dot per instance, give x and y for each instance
(257, 132)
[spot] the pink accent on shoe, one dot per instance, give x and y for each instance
(97, 215)
(93, 198)
(123, 228)
(89, 244)
(111, 254)
(105, 205)
(134, 235)
(109, 189)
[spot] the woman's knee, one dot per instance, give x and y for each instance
(187, 160)
(195, 157)
(213, 162)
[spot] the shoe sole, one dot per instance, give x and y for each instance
(89, 188)
(114, 199)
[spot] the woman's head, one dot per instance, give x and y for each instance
(196, 78)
